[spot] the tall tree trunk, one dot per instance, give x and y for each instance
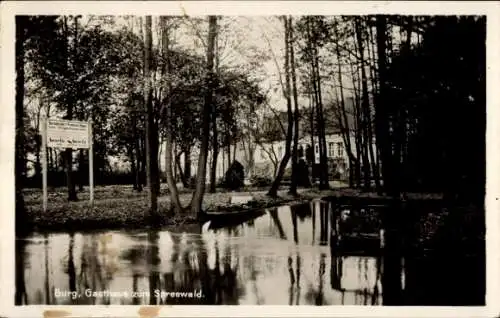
(381, 112)
(273, 191)
(320, 118)
(311, 49)
(365, 109)
(137, 148)
(69, 152)
(343, 119)
(19, 147)
(38, 147)
(248, 153)
(404, 118)
(68, 160)
(181, 173)
(346, 133)
(215, 137)
(133, 169)
(375, 88)
(144, 175)
(187, 165)
(322, 139)
(295, 177)
(56, 160)
(197, 200)
(313, 158)
(374, 157)
(175, 162)
(151, 151)
(81, 170)
(213, 169)
(357, 129)
(228, 141)
(172, 186)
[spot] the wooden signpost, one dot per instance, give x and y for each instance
(58, 133)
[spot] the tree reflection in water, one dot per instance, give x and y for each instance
(292, 280)
(21, 297)
(154, 261)
(46, 284)
(342, 256)
(69, 268)
(276, 259)
(324, 230)
(298, 262)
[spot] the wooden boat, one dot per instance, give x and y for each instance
(220, 219)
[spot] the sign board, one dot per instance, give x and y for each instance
(58, 133)
(67, 134)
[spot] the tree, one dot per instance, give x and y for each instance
(69, 110)
(197, 199)
(436, 88)
(381, 111)
(21, 25)
(315, 32)
(365, 109)
(295, 155)
(151, 133)
(73, 63)
(215, 138)
(342, 113)
(172, 187)
(273, 191)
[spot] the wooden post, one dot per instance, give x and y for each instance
(44, 163)
(91, 164)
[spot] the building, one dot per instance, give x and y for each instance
(267, 157)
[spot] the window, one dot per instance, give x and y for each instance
(316, 149)
(340, 149)
(331, 149)
(280, 151)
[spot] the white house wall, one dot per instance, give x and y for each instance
(338, 151)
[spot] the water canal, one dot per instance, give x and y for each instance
(292, 255)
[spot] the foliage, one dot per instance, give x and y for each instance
(92, 68)
(442, 80)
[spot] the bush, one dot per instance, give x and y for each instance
(234, 176)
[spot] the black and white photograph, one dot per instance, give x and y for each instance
(233, 158)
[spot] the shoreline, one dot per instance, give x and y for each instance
(130, 212)
(117, 208)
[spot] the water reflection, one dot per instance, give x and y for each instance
(290, 255)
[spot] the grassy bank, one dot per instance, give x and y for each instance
(121, 207)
